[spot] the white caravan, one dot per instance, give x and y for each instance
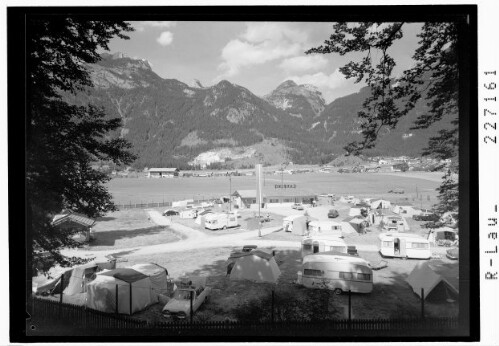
(405, 245)
(335, 271)
(324, 228)
(314, 244)
(220, 221)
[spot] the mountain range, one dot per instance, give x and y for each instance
(171, 123)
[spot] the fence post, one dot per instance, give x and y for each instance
(130, 299)
(272, 313)
(116, 300)
(349, 309)
(422, 303)
(191, 298)
(60, 295)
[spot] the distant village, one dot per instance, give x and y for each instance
(376, 164)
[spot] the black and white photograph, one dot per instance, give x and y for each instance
(282, 173)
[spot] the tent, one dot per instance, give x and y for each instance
(257, 266)
(297, 224)
(134, 291)
(440, 281)
(79, 278)
(443, 233)
(359, 224)
(380, 204)
(157, 274)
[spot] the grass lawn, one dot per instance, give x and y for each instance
(129, 228)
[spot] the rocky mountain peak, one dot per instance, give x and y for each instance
(196, 83)
(286, 84)
(302, 101)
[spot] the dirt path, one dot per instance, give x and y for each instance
(194, 239)
(187, 232)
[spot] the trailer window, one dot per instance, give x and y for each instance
(338, 248)
(232, 219)
(362, 276)
(274, 200)
(387, 244)
(419, 245)
(313, 272)
(307, 247)
(346, 276)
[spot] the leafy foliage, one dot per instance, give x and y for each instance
(62, 138)
(433, 78)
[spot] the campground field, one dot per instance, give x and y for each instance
(186, 249)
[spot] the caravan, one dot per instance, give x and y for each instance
(335, 271)
(325, 228)
(220, 221)
(404, 245)
(394, 223)
(314, 244)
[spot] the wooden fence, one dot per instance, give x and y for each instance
(48, 314)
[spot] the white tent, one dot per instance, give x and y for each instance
(79, 278)
(347, 228)
(157, 274)
(435, 286)
(380, 204)
(134, 291)
(257, 266)
(297, 224)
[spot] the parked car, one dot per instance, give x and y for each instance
(298, 206)
(426, 217)
(179, 307)
(432, 224)
(170, 212)
(333, 213)
(400, 191)
(264, 218)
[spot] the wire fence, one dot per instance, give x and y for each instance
(48, 314)
(167, 203)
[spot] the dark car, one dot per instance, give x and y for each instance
(426, 217)
(333, 213)
(170, 212)
(432, 224)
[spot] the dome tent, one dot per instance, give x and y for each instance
(257, 266)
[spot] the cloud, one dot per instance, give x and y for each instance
(258, 32)
(332, 86)
(261, 43)
(140, 26)
(304, 63)
(165, 38)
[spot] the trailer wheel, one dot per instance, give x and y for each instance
(338, 291)
(225, 227)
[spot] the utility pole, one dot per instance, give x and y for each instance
(230, 191)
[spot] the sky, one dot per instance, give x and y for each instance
(256, 55)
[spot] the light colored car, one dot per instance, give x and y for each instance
(180, 305)
(298, 206)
